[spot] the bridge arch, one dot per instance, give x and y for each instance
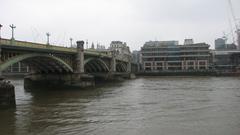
(41, 63)
(121, 67)
(95, 65)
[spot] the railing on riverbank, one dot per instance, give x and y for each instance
(209, 72)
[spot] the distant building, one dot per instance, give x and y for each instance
(188, 42)
(168, 55)
(136, 56)
(121, 48)
(220, 44)
(17, 68)
(231, 47)
(100, 47)
(161, 43)
(226, 60)
(238, 39)
(136, 59)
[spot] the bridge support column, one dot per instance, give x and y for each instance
(113, 65)
(0, 60)
(80, 57)
(129, 67)
(7, 94)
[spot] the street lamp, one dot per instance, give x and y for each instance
(87, 43)
(71, 42)
(12, 27)
(0, 30)
(48, 34)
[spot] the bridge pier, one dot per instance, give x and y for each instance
(79, 78)
(7, 94)
(0, 59)
(113, 63)
(129, 67)
(58, 81)
(80, 57)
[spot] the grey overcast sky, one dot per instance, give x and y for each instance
(131, 21)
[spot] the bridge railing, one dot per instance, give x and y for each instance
(35, 45)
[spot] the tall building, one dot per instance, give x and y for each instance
(220, 44)
(238, 38)
(168, 55)
(136, 57)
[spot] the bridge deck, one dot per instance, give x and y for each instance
(30, 45)
(38, 47)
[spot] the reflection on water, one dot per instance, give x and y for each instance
(159, 105)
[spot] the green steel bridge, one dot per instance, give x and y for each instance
(45, 58)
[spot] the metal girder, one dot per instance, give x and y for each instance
(99, 61)
(88, 68)
(40, 63)
(118, 69)
(52, 64)
(103, 66)
(121, 66)
(92, 67)
(19, 58)
(36, 66)
(95, 63)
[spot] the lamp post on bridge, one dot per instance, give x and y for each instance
(0, 31)
(0, 49)
(86, 44)
(12, 27)
(71, 42)
(48, 35)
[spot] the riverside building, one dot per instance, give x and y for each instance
(121, 49)
(170, 56)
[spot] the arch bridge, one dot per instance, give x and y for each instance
(50, 59)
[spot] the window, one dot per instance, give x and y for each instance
(147, 64)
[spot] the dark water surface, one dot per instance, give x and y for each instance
(145, 106)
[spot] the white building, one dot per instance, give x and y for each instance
(121, 48)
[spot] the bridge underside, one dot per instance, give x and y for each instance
(39, 63)
(46, 65)
(96, 65)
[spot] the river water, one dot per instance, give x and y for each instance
(144, 106)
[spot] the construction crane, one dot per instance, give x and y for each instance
(235, 20)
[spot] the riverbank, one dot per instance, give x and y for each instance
(189, 73)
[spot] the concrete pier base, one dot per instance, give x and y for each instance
(7, 94)
(58, 81)
(112, 77)
(75, 80)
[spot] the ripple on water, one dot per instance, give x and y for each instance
(158, 105)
